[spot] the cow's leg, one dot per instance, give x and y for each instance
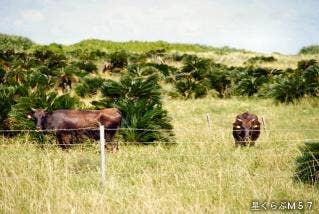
(63, 139)
(109, 138)
(251, 143)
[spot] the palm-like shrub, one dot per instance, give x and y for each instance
(17, 118)
(220, 79)
(146, 122)
(191, 80)
(304, 64)
(89, 86)
(257, 59)
(137, 94)
(287, 89)
(165, 69)
(311, 77)
(249, 85)
(67, 77)
(49, 58)
(86, 66)
(2, 74)
(307, 169)
(119, 59)
(6, 100)
(37, 79)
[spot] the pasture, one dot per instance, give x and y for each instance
(202, 173)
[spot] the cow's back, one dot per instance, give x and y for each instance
(74, 119)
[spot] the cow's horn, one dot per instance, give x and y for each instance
(33, 109)
(239, 119)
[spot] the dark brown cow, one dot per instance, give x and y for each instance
(246, 129)
(70, 120)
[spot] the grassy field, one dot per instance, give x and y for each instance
(202, 173)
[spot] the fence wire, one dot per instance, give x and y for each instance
(151, 130)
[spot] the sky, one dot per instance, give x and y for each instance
(266, 26)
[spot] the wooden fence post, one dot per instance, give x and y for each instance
(209, 122)
(103, 162)
(264, 123)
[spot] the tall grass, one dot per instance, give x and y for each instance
(202, 173)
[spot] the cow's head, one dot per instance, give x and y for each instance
(39, 115)
(246, 128)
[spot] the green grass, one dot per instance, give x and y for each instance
(202, 173)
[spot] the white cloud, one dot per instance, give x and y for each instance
(256, 25)
(32, 16)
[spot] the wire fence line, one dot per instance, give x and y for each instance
(141, 129)
(163, 142)
(102, 129)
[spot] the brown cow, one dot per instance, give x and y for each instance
(75, 122)
(246, 129)
(107, 67)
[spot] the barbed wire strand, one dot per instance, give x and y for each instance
(162, 142)
(140, 129)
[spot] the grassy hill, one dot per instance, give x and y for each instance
(14, 42)
(311, 49)
(140, 46)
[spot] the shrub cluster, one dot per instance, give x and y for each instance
(307, 165)
(137, 94)
(198, 77)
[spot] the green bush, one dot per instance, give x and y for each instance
(17, 117)
(86, 66)
(119, 59)
(137, 94)
(304, 64)
(256, 59)
(6, 101)
(191, 80)
(248, 80)
(287, 89)
(307, 165)
(220, 79)
(89, 86)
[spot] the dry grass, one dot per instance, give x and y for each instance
(239, 58)
(202, 173)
